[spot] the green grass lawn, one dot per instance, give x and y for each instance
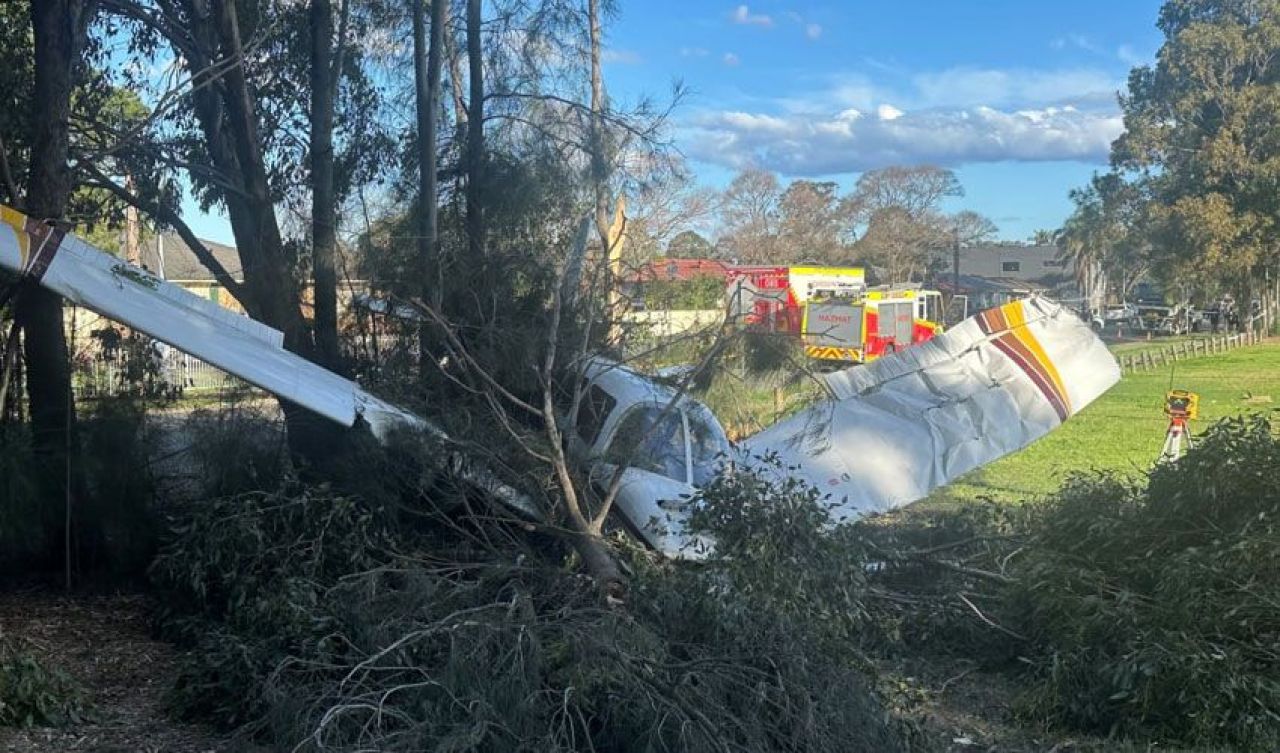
(745, 405)
(1124, 430)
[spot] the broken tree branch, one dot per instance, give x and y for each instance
(171, 218)
(991, 622)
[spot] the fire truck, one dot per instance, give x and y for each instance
(772, 298)
(861, 327)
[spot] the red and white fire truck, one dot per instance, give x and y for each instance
(772, 298)
(864, 326)
(833, 311)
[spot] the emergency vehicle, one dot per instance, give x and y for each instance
(772, 298)
(862, 327)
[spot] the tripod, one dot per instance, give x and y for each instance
(1178, 429)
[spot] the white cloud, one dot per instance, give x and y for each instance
(995, 88)
(1078, 41)
(624, 57)
(796, 144)
(888, 112)
(730, 59)
(743, 15)
(957, 88)
(813, 31)
(856, 121)
(694, 52)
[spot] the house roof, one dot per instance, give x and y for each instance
(672, 269)
(169, 257)
(978, 284)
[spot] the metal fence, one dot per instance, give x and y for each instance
(164, 372)
(161, 371)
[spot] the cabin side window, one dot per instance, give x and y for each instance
(595, 407)
(651, 439)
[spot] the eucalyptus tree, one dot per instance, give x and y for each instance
(901, 210)
(814, 223)
(750, 216)
(1200, 134)
(55, 35)
(263, 109)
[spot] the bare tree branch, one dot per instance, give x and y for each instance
(990, 621)
(171, 218)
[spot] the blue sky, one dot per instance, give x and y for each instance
(1018, 97)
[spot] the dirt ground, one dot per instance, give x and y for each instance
(952, 705)
(103, 643)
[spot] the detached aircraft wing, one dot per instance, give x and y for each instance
(234, 343)
(134, 297)
(896, 428)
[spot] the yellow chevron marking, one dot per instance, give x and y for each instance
(18, 221)
(1016, 317)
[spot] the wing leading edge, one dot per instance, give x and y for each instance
(903, 425)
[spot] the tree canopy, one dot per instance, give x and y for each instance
(1199, 160)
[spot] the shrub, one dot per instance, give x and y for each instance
(244, 578)
(1155, 610)
(33, 695)
(926, 559)
(323, 622)
(238, 449)
(117, 524)
(770, 351)
(699, 293)
(113, 523)
(778, 553)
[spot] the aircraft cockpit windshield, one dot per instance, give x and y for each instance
(708, 445)
(684, 444)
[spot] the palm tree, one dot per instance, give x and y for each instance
(1086, 240)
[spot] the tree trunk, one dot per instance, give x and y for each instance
(59, 28)
(324, 215)
(599, 161)
(475, 136)
(455, 88)
(266, 268)
(227, 116)
(427, 60)
(600, 167)
(7, 182)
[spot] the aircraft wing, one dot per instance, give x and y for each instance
(234, 343)
(907, 423)
(133, 296)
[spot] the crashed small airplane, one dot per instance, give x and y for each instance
(887, 434)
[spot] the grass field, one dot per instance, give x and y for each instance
(1124, 430)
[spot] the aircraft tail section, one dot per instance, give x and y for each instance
(907, 423)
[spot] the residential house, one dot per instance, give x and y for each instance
(991, 273)
(169, 257)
